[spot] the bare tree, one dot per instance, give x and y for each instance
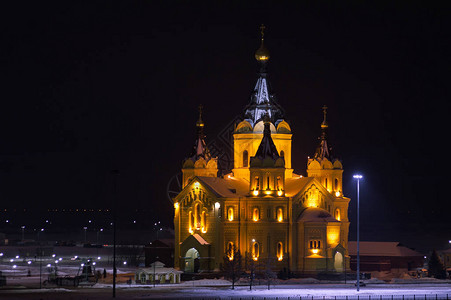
(251, 266)
(232, 265)
(268, 273)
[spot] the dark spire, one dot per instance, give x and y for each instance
(262, 99)
(323, 150)
(200, 147)
(267, 147)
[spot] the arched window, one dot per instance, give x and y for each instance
(325, 183)
(256, 214)
(255, 251)
(191, 221)
(257, 183)
(315, 244)
(230, 250)
(245, 158)
(230, 214)
(279, 251)
(203, 222)
(197, 216)
(279, 214)
(336, 184)
(282, 154)
(337, 214)
(278, 183)
(267, 181)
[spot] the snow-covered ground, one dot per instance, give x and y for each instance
(21, 286)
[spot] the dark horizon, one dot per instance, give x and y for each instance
(89, 88)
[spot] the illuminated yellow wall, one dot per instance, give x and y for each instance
(248, 139)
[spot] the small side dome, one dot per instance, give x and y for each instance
(314, 165)
(260, 126)
(243, 127)
(338, 165)
(188, 164)
(283, 127)
(200, 163)
(212, 164)
(326, 164)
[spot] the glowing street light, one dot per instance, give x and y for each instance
(358, 177)
(85, 228)
(23, 233)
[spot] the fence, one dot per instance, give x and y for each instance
(358, 297)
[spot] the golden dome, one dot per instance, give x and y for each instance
(262, 54)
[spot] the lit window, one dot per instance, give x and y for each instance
(230, 250)
(267, 181)
(203, 221)
(257, 183)
(230, 214)
(245, 158)
(279, 251)
(279, 214)
(256, 214)
(315, 245)
(197, 216)
(191, 221)
(337, 214)
(255, 251)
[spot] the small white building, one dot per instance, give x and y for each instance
(158, 273)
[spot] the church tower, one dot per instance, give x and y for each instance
(269, 214)
(249, 132)
(323, 165)
(267, 167)
(200, 162)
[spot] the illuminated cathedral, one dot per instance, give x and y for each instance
(262, 207)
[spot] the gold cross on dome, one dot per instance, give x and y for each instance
(200, 111)
(262, 30)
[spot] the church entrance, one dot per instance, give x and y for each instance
(192, 261)
(338, 262)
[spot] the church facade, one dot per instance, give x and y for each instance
(262, 208)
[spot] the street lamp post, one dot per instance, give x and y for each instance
(23, 233)
(85, 228)
(358, 177)
(98, 232)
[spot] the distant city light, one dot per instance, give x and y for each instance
(125, 262)
(49, 265)
(14, 266)
(29, 262)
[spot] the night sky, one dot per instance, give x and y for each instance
(88, 88)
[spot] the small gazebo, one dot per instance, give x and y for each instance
(157, 273)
